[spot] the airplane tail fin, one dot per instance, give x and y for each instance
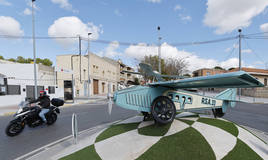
(229, 97)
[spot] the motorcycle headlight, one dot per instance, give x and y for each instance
(19, 111)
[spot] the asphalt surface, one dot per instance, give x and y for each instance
(88, 115)
(251, 115)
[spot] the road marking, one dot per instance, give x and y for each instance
(46, 147)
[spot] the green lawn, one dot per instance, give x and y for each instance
(186, 121)
(187, 144)
(84, 154)
(116, 129)
(242, 151)
(227, 126)
(154, 130)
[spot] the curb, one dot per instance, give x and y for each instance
(46, 148)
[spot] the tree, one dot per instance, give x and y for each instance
(170, 66)
(20, 59)
(218, 67)
(1, 57)
(136, 81)
(12, 60)
(231, 68)
(47, 62)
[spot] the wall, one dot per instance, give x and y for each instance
(100, 69)
(23, 75)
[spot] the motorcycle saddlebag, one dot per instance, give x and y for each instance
(57, 102)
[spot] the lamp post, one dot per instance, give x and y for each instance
(34, 54)
(159, 50)
(88, 67)
(240, 36)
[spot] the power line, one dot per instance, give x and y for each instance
(261, 59)
(121, 43)
(233, 49)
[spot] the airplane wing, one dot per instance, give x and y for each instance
(238, 79)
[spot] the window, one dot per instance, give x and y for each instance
(265, 81)
(51, 90)
(13, 90)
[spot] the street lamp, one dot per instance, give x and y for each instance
(88, 91)
(159, 50)
(34, 54)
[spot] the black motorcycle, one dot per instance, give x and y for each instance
(27, 115)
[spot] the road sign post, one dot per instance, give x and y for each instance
(74, 128)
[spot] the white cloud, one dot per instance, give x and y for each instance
(5, 3)
(246, 51)
(177, 7)
(185, 18)
(118, 13)
(10, 26)
(228, 15)
(27, 11)
(64, 4)
(110, 51)
(154, 1)
(264, 27)
(231, 48)
(72, 27)
(195, 62)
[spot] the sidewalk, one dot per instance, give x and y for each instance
(9, 110)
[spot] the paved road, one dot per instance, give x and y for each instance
(252, 115)
(89, 115)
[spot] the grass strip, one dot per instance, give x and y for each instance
(227, 126)
(187, 144)
(242, 151)
(116, 129)
(83, 154)
(155, 130)
(186, 121)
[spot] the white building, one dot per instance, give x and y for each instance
(17, 82)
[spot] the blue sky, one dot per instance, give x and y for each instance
(136, 21)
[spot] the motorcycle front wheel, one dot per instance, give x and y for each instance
(14, 128)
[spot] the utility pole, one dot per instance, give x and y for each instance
(80, 58)
(240, 36)
(159, 50)
(88, 66)
(34, 54)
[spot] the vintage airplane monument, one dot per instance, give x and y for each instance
(162, 99)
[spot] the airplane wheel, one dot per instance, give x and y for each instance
(218, 112)
(163, 110)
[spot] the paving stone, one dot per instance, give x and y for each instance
(129, 145)
(220, 141)
(253, 142)
(184, 114)
(132, 120)
(145, 124)
(190, 118)
(176, 127)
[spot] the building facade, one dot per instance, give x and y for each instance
(102, 72)
(260, 74)
(17, 82)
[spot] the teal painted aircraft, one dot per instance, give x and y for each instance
(162, 99)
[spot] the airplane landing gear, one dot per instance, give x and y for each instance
(163, 110)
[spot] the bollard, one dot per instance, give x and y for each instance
(74, 128)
